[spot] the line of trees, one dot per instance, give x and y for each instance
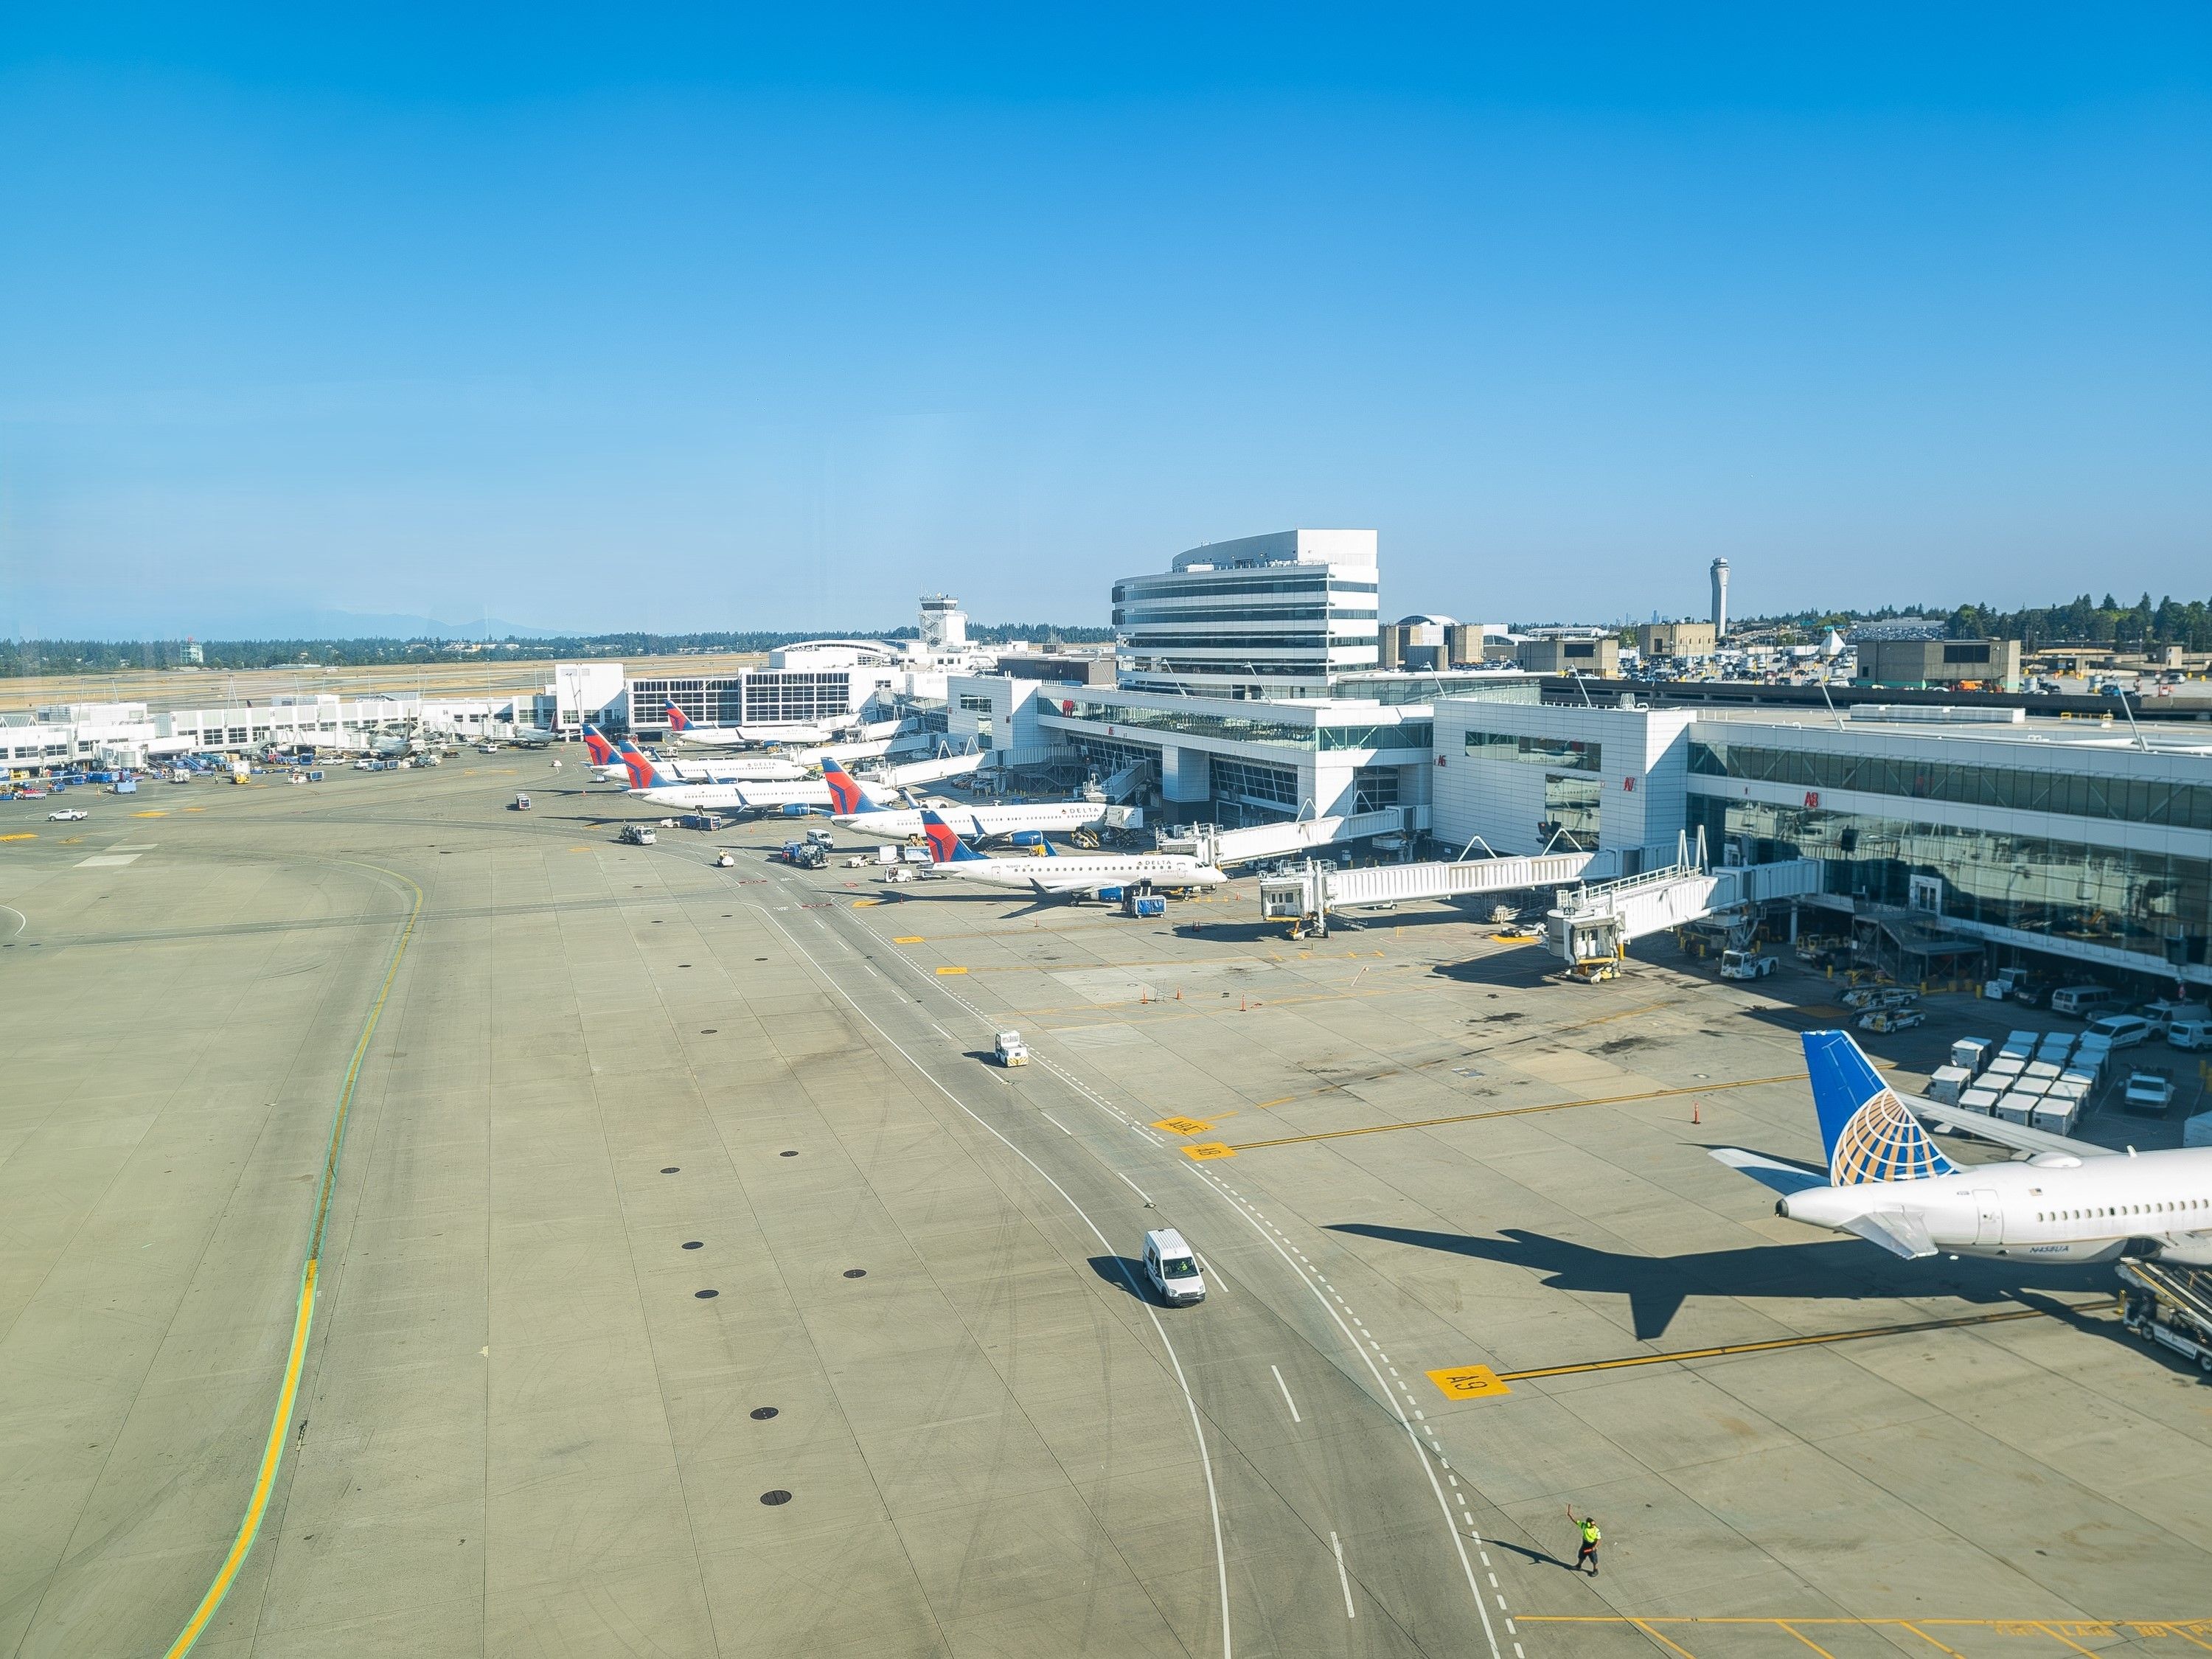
(25, 658)
(2083, 621)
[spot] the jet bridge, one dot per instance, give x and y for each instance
(1598, 924)
(1209, 844)
(1308, 895)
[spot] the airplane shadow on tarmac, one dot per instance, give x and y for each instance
(1843, 1269)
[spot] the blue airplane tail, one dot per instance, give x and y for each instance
(1866, 1131)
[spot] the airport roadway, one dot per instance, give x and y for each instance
(690, 1283)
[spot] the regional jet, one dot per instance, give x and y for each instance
(1055, 876)
(850, 807)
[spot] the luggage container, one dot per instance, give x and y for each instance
(2036, 1086)
(2044, 1069)
(2055, 1045)
(2003, 1069)
(1980, 1102)
(2017, 1108)
(1947, 1083)
(1973, 1052)
(2054, 1117)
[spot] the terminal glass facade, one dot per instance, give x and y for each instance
(1570, 812)
(1561, 754)
(2157, 905)
(2075, 794)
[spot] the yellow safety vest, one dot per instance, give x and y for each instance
(1589, 1532)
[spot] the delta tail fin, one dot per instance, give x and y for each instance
(1866, 1131)
(596, 746)
(678, 721)
(945, 845)
(846, 794)
(643, 774)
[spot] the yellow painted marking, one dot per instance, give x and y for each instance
(156, 812)
(1182, 1125)
(862, 904)
(1933, 1643)
(272, 1451)
(196, 809)
(952, 970)
(911, 939)
(1772, 1344)
(580, 850)
(1806, 1640)
(1208, 1149)
(1519, 1111)
(1467, 1382)
(21, 835)
(1661, 1640)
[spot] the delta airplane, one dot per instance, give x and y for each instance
(685, 729)
(850, 807)
(1053, 876)
(2062, 1200)
(605, 759)
(649, 782)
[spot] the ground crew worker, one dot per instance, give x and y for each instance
(1588, 1527)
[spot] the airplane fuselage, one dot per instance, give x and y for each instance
(979, 822)
(2052, 1207)
(1083, 875)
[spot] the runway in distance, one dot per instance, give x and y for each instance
(1050, 874)
(850, 807)
(2063, 1200)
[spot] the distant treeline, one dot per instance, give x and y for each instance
(2085, 621)
(27, 657)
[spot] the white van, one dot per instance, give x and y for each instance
(1172, 1266)
(2165, 1011)
(2190, 1034)
(2083, 1002)
(2123, 1030)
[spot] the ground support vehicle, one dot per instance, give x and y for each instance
(522, 803)
(2171, 1306)
(637, 834)
(1010, 1049)
(1746, 964)
(805, 854)
(2150, 1093)
(1890, 1019)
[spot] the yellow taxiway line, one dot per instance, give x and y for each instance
(272, 1452)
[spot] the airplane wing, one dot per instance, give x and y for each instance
(1900, 1232)
(2018, 1136)
(1783, 1178)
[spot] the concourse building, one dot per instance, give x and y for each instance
(2054, 844)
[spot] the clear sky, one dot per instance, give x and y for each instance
(716, 317)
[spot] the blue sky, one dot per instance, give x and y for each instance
(690, 318)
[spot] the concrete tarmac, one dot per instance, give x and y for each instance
(695, 1286)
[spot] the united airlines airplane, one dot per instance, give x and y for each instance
(2062, 1200)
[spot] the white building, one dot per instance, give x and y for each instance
(2071, 841)
(1278, 615)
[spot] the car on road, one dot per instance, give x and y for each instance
(1172, 1266)
(68, 815)
(2149, 1092)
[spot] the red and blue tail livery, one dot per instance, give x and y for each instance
(945, 845)
(643, 774)
(596, 746)
(678, 720)
(844, 795)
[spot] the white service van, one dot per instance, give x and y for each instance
(1172, 1266)
(2083, 1002)
(2122, 1031)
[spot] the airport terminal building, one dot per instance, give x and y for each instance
(2047, 838)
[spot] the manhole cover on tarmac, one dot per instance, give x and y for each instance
(706, 1295)
(671, 1169)
(787, 1154)
(856, 1272)
(762, 1414)
(772, 1498)
(694, 1243)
